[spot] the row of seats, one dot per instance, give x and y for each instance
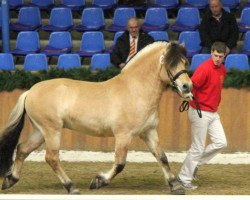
(108, 4)
(37, 62)
(92, 19)
(93, 42)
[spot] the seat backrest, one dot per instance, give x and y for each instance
(191, 40)
(61, 39)
(245, 16)
(246, 42)
(16, 2)
(6, 61)
(28, 40)
(61, 17)
(69, 61)
(237, 61)
(156, 16)
(43, 2)
(100, 61)
(104, 3)
(25, 13)
(197, 59)
(92, 41)
(0, 17)
(93, 16)
(73, 2)
(166, 2)
(159, 35)
(197, 2)
(35, 62)
(231, 3)
(117, 35)
(189, 16)
(122, 15)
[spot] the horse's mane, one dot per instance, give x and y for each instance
(174, 53)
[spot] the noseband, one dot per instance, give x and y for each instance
(185, 105)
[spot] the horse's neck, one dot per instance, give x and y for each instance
(144, 75)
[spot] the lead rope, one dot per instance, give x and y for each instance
(185, 106)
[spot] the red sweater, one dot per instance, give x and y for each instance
(207, 85)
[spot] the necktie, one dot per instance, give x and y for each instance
(132, 48)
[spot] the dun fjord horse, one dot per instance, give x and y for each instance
(125, 106)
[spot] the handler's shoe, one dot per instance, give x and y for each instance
(187, 186)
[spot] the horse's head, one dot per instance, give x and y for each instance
(174, 69)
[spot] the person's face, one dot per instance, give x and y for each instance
(133, 28)
(215, 7)
(217, 57)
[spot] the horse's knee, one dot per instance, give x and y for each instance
(52, 160)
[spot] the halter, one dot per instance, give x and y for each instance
(185, 105)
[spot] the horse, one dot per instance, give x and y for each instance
(124, 107)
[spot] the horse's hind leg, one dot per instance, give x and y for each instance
(52, 140)
(23, 150)
(151, 139)
(121, 150)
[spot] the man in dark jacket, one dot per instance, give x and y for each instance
(121, 53)
(218, 25)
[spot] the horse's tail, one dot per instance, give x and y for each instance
(10, 135)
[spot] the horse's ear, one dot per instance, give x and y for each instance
(183, 49)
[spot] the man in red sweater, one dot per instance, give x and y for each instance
(207, 85)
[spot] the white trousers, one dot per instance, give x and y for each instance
(198, 153)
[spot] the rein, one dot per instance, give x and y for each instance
(185, 105)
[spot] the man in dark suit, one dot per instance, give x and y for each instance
(129, 43)
(218, 25)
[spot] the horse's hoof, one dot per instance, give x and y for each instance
(98, 182)
(8, 181)
(179, 191)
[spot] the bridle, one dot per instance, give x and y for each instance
(185, 105)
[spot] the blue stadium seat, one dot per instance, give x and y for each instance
(116, 36)
(232, 4)
(100, 61)
(246, 44)
(227, 9)
(69, 61)
(92, 20)
(120, 19)
(25, 22)
(188, 19)
(244, 23)
(74, 5)
(27, 42)
(200, 4)
(15, 4)
(6, 61)
(159, 35)
(191, 40)
(104, 4)
(156, 19)
(60, 20)
(59, 43)
(237, 61)
(197, 59)
(167, 4)
(35, 62)
(42, 5)
(92, 42)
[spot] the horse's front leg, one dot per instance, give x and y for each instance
(152, 141)
(121, 149)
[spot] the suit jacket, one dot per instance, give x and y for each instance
(121, 50)
(224, 31)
